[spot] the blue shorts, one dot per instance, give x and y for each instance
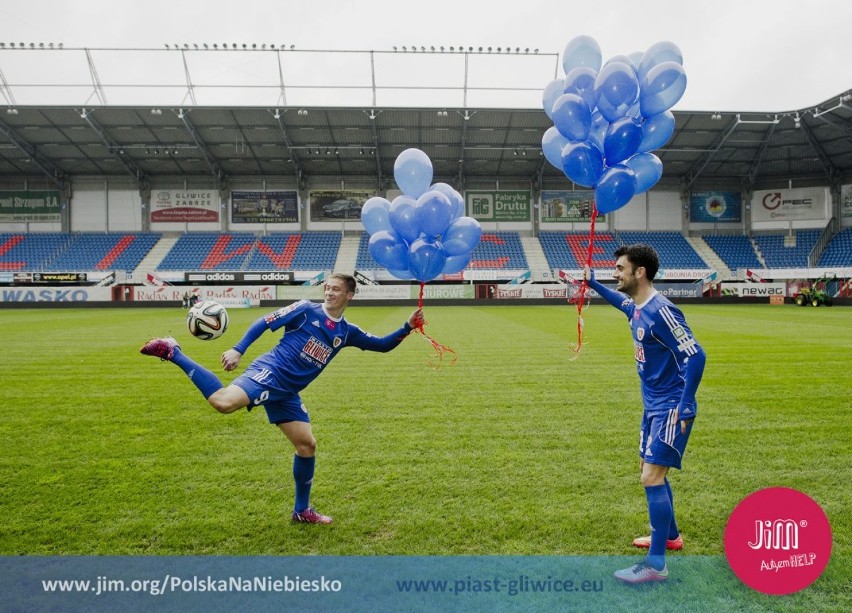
(281, 404)
(660, 439)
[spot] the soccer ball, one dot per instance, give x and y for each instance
(207, 320)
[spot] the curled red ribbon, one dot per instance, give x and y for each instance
(579, 297)
(440, 350)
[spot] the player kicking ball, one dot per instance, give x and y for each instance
(313, 335)
(670, 363)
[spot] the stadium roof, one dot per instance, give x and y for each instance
(473, 140)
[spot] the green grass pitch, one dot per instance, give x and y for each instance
(514, 450)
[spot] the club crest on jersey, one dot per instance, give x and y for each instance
(640, 333)
(317, 350)
(337, 342)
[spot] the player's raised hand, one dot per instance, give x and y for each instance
(231, 359)
(416, 320)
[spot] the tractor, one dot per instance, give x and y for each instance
(816, 294)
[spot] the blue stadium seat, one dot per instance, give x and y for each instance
(838, 253)
(735, 251)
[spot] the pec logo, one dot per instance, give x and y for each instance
(772, 201)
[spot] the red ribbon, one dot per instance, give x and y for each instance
(440, 350)
(579, 297)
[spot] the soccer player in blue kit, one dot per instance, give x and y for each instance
(670, 363)
(313, 335)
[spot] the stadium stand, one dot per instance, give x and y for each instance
(675, 251)
(735, 251)
(242, 251)
(113, 251)
(839, 250)
(565, 250)
(775, 252)
(31, 252)
(295, 251)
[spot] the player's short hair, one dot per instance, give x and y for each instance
(349, 280)
(641, 255)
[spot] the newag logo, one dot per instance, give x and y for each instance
(776, 535)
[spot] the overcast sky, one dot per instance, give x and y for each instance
(739, 55)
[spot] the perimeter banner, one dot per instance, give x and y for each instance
(713, 207)
(498, 205)
(789, 204)
(846, 201)
(337, 204)
(185, 205)
(567, 206)
(30, 206)
(362, 583)
(265, 207)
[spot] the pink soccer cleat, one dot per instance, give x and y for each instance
(163, 348)
(310, 516)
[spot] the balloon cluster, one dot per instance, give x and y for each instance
(608, 118)
(423, 233)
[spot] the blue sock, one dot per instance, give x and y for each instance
(673, 531)
(660, 513)
(204, 380)
(303, 473)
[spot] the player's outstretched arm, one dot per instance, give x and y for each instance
(613, 297)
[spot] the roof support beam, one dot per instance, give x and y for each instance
(114, 148)
(828, 167)
(291, 153)
(692, 175)
(202, 146)
(53, 174)
(755, 163)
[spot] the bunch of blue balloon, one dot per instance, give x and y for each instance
(423, 233)
(609, 118)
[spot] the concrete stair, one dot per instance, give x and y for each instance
(150, 262)
(708, 255)
(347, 255)
(539, 268)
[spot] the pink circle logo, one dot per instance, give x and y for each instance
(778, 540)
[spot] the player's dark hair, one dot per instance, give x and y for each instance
(349, 280)
(641, 255)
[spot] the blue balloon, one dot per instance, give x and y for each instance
(403, 219)
(461, 236)
(453, 195)
(456, 263)
(552, 91)
(401, 274)
(572, 117)
(663, 51)
(648, 169)
(413, 172)
(597, 133)
(552, 144)
(426, 259)
(389, 250)
(656, 131)
(626, 59)
(662, 87)
(622, 140)
(581, 51)
(616, 89)
(374, 215)
(581, 81)
(636, 59)
(433, 211)
(615, 188)
(582, 162)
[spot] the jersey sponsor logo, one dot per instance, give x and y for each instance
(282, 312)
(639, 352)
(317, 350)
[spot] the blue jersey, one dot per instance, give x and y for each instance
(311, 339)
(663, 347)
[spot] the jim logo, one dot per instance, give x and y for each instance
(775, 535)
(482, 206)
